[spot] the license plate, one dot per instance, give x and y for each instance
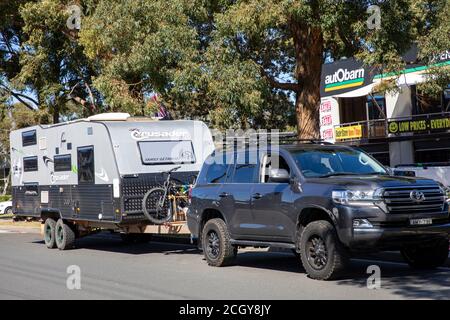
(420, 222)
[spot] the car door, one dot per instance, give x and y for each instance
(213, 194)
(272, 202)
(235, 197)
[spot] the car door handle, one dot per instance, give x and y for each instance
(257, 196)
(224, 195)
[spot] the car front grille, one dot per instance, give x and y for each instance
(410, 200)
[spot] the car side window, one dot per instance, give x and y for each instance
(245, 173)
(269, 162)
(217, 173)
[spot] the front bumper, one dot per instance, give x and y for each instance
(390, 231)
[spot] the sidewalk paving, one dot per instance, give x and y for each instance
(10, 226)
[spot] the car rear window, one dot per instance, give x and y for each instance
(217, 173)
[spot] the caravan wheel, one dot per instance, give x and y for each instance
(49, 233)
(64, 235)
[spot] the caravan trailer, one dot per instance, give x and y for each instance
(92, 174)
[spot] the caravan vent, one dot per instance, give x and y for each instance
(113, 116)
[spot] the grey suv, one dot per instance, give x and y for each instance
(324, 202)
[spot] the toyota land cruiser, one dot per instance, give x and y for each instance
(324, 202)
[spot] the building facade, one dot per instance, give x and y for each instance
(403, 126)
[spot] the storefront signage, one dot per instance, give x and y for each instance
(326, 120)
(350, 132)
(327, 134)
(343, 76)
(420, 125)
(343, 79)
(325, 106)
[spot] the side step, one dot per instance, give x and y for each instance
(263, 244)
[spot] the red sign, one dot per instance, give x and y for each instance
(325, 106)
(327, 134)
(326, 120)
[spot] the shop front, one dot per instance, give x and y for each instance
(403, 126)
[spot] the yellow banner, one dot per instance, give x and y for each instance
(350, 132)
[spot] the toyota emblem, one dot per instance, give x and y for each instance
(417, 196)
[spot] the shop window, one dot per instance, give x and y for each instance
(432, 151)
(431, 156)
(353, 109)
(424, 103)
(446, 98)
(376, 107)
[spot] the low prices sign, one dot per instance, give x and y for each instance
(408, 126)
(350, 132)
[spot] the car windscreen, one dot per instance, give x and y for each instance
(166, 152)
(328, 162)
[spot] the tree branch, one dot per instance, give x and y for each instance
(91, 96)
(15, 95)
(19, 97)
(280, 85)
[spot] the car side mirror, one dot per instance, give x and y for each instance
(279, 175)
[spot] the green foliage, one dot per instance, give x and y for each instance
(141, 46)
(17, 117)
(234, 63)
(6, 197)
(434, 41)
(52, 61)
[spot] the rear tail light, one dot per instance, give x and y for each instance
(190, 194)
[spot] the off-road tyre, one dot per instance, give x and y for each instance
(216, 244)
(322, 254)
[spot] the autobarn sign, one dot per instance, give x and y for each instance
(419, 125)
(343, 76)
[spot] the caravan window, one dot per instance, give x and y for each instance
(29, 138)
(166, 152)
(86, 168)
(30, 164)
(62, 162)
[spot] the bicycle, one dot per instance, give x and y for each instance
(164, 201)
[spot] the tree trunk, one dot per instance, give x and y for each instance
(56, 114)
(7, 180)
(308, 44)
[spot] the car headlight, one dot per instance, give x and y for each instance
(356, 197)
(446, 191)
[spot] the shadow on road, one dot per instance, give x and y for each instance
(113, 243)
(396, 276)
(406, 282)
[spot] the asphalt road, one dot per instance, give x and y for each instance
(111, 269)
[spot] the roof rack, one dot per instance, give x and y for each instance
(266, 138)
